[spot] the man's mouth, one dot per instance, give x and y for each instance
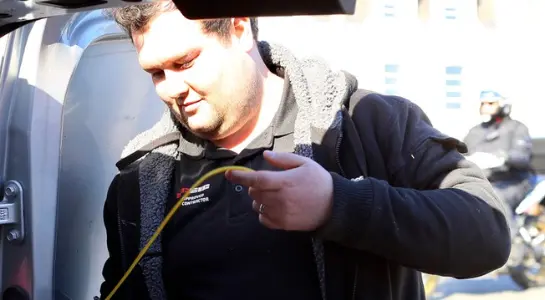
(191, 106)
(182, 102)
(189, 103)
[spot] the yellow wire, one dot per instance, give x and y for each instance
(167, 219)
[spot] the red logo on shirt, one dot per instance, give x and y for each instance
(184, 190)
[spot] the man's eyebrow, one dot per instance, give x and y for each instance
(181, 58)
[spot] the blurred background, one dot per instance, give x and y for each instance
(439, 54)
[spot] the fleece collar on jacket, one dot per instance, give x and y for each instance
(319, 92)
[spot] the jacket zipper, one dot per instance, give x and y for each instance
(121, 244)
(337, 154)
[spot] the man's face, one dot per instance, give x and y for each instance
(489, 108)
(208, 83)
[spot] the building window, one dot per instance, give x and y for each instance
(453, 105)
(390, 80)
(453, 86)
(391, 68)
(451, 12)
(390, 8)
(454, 94)
(391, 72)
(389, 11)
(453, 82)
(453, 70)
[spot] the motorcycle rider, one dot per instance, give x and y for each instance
(502, 147)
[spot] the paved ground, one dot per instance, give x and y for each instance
(484, 288)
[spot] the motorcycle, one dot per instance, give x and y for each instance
(526, 265)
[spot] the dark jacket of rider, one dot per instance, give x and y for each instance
(509, 139)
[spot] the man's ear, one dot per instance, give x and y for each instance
(242, 30)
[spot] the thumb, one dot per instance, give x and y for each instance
(284, 160)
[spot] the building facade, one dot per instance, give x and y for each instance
(438, 53)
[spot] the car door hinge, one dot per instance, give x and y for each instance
(11, 212)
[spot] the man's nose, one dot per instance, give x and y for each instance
(176, 84)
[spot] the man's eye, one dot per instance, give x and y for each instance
(157, 75)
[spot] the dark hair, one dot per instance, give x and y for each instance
(134, 18)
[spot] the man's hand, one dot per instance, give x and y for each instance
(298, 198)
(486, 160)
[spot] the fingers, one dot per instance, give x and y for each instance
(269, 180)
(255, 206)
(264, 216)
(269, 210)
(284, 160)
(267, 222)
(263, 180)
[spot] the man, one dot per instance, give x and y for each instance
(357, 194)
(503, 147)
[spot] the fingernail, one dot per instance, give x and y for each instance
(268, 153)
(233, 173)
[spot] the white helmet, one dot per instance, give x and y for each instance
(504, 105)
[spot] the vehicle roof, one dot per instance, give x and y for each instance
(16, 13)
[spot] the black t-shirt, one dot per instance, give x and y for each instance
(215, 247)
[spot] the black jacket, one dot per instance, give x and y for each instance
(405, 199)
(507, 138)
(421, 208)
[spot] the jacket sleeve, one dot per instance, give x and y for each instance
(520, 153)
(112, 270)
(436, 212)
